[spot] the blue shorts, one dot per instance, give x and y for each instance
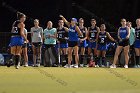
(16, 41)
(64, 45)
(137, 44)
(91, 44)
(102, 47)
(83, 44)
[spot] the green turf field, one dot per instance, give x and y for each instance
(63, 80)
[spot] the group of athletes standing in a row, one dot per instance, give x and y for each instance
(70, 38)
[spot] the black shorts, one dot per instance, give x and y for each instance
(124, 42)
(38, 44)
(72, 43)
(25, 45)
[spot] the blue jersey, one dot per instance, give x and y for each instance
(123, 33)
(137, 33)
(72, 34)
(102, 38)
(15, 28)
(92, 33)
(83, 30)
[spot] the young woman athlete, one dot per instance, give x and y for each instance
(73, 33)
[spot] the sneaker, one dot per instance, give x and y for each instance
(113, 66)
(17, 67)
(138, 66)
(37, 65)
(67, 66)
(96, 66)
(102, 65)
(26, 65)
(126, 66)
(135, 66)
(75, 66)
(81, 65)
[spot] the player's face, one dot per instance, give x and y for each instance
(93, 23)
(81, 22)
(23, 18)
(49, 24)
(129, 24)
(61, 23)
(123, 22)
(138, 22)
(36, 23)
(73, 22)
(103, 27)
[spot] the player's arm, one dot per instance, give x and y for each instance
(21, 26)
(65, 20)
(119, 34)
(42, 34)
(128, 30)
(109, 36)
(79, 31)
(66, 29)
(97, 36)
(88, 33)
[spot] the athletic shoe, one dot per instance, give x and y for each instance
(135, 66)
(81, 65)
(67, 66)
(17, 67)
(9, 62)
(126, 66)
(113, 66)
(96, 66)
(75, 66)
(26, 65)
(102, 65)
(138, 66)
(37, 65)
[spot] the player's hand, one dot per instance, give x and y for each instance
(61, 16)
(26, 41)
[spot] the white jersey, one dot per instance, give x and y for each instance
(37, 34)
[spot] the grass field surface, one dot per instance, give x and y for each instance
(63, 80)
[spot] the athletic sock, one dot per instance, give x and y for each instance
(82, 59)
(97, 61)
(66, 58)
(104, 61)
(17, 59)
(137, 60)
(88, 59)
(73, 61)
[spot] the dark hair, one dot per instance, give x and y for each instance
(20, 15)
(93, 20)
(123, 19)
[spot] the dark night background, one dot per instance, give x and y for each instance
(105, 11)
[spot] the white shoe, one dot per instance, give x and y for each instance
(75, 66)
(126, 66)
(113, 66)
(97, 66)
(17, 67)
(67, 66)
(81, 65)
(26, 65)
(38, 65)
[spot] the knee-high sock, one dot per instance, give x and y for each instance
(103, 60)
(66, 58)
(82, 59)
(137, 60)
(17, 59)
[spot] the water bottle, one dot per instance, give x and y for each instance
(107, 64)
